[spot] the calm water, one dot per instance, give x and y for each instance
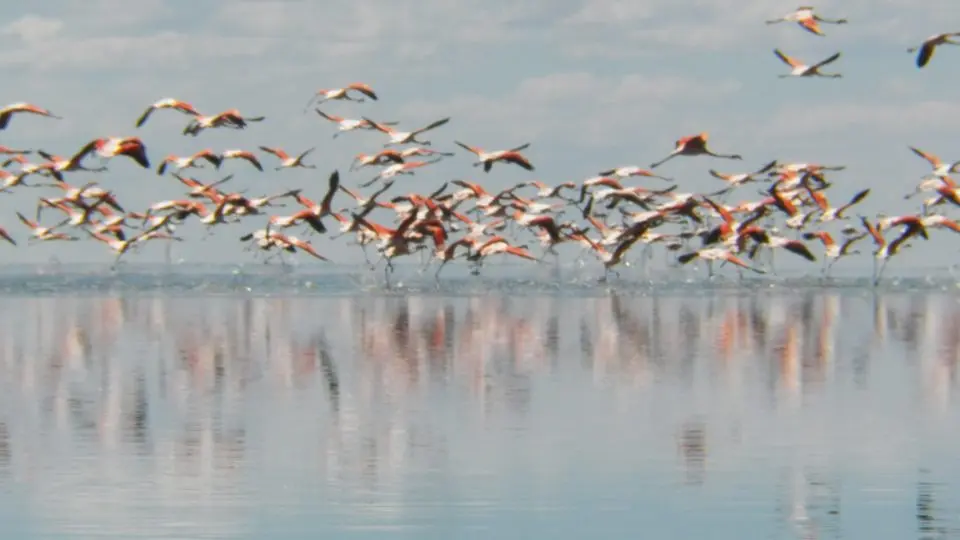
(809, 413)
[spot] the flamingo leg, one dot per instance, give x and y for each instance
(437, 275)
(387, 270)
(883, 265)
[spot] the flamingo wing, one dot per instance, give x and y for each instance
(786, 59)
(146, 115)
(925, 54)
(434, 125)
(826, 61)
(810, 25)
(932, 159)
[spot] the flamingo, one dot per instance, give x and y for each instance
(406, 137)
(833, 252)
(349, 124)
(189, 162)
(736, 180)
(886, 250)
(198, 189)
(399, 168)
(632, 170)
(380, 158)
(497, 245)
(487, 159)
(694, 145)
(807, 19)
(167, 103)
(287, 161)
(45, 234)
(829, 213)
(324, 208)
(940, 168)
(293, 244)
(7, 151)
(446, 253)
(422, 152)
(717, 254)
(56, 166)
(763, 237)
(6, 113)
(244, 155)
(799, 69)
(370, 202)
(930, 44)
(342, 94)
(6, 236)
(131, 147)
(230, 118)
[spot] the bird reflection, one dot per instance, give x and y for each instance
(363, 389)
(692, 443)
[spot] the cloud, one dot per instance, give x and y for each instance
(384, 24)
(572, 107)
(869, 118)
(33, 29)
(153, 52)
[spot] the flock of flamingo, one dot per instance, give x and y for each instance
(462, 219)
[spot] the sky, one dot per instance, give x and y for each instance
(591, 84)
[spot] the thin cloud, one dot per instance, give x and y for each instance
(574, 107)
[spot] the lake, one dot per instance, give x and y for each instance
(494, 411)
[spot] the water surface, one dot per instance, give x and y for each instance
(810, 413)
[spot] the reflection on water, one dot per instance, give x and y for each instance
(820, 415)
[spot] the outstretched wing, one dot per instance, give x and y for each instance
(829, 60)
(786, 59)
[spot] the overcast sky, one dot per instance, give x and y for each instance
(592, 84)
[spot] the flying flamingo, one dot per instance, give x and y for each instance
(244, 155)
(56, 166)
(342, 94)
(694, 145)
(198, 189)
(6, 113)
(230, 118)
(799, 69)
(380, 158)
(44, 234)
(406, 137)
(286, 160)
(399, 168)
(716, 254)
(487, 159)
(422, 152)
(930, 44)
(167, 103)
(887, 250)
(829, 213)
(940, 169)
(6, 236)
(763, 237)
(632, 170)
(807, 19)
(736, 180)
(349, 124)
(7, 151)
(131, 147)
(120, 247)
(833, 252)
(494, 246)
(189, 162)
